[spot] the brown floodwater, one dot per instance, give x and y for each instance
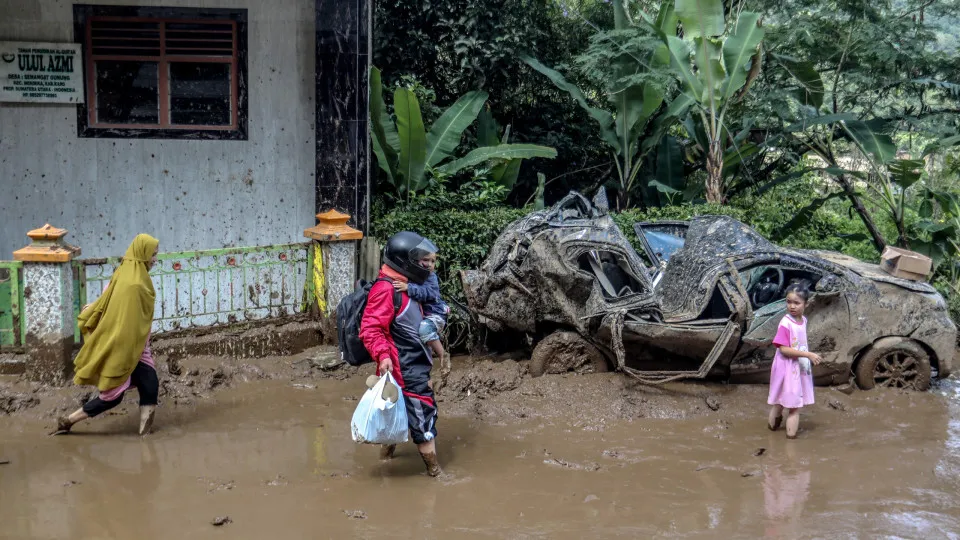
(555, 457)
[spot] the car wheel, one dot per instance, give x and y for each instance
(898, 365)
(565, 351)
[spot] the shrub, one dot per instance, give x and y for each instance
(462, 236)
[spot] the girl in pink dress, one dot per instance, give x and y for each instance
(791, 376)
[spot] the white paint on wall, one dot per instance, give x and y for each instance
(189, 194)
(48, 301)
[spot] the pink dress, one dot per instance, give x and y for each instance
(147, 358)
(790, 387)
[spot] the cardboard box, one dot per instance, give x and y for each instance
(905, 264)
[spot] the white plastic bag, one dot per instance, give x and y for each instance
(805, 365)
(377, 420)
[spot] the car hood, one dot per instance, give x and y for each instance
(872, 271)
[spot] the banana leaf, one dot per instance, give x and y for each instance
(877, 144)
(502, 151)
(413, 140)
(738, 49)
(385, 141)
(700, 17)
(445, 134)
(602, 117)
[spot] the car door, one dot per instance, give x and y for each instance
(827, 316)
(694, 349)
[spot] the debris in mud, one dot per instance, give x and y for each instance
(590, 498)
(217, 485)
(4, 461)
(589, 466)
(355, 514)
(71, 483)
(303, 386)
(218, 377)
(278, 481)
(327, 361)
(221, 521)
(249, 373)
(713, 403)
(759, 452)
(702, 468)
(11, 402)
(748, 474)
(847, 389)
(173, 367)
(836, 404)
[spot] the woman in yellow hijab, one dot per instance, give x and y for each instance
(116, 339)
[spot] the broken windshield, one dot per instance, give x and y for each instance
(662, 239)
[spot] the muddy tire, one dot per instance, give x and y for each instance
(902, 364)
(564, 351)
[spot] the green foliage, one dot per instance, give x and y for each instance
(462, 236)
(408, 153)
(457, 46)
(714, 72)
(627, 65)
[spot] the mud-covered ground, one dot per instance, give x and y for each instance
(266, 444)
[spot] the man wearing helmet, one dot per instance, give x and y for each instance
(394, 340)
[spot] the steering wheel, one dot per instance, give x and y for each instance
(767, 287)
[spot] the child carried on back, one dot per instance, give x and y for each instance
(435, 310)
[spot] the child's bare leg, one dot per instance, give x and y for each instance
(793, 423)
(436, 349)
(775, 417)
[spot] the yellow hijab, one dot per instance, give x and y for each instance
(116, 326)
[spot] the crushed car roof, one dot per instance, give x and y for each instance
(710, 241)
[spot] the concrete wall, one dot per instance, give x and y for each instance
(190, 194)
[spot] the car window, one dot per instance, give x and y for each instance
(765, 283)
(612, 271)
(663, 239)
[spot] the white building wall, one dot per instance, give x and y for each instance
(189, 194)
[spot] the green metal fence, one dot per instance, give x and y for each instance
(12, 322)
(214, 287)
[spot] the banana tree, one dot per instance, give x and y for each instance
(407, 152)
(714, 72)
(633, 122)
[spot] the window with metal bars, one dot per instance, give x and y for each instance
(163, 72)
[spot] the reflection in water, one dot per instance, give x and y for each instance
(123, 484)
(786, 487)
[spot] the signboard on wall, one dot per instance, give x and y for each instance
(41, 72)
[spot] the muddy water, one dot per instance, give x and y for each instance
(278, 460)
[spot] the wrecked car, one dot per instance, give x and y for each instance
(698, 299)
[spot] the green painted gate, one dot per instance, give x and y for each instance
(12, 322)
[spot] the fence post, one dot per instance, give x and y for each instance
(48, 304)
(335, 258)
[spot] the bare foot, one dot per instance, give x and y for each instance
(63, 426)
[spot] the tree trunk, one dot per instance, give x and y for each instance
(714, 185)
(851, 193)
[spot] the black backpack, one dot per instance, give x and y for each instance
(349, 315)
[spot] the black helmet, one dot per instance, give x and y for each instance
(403, 253)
